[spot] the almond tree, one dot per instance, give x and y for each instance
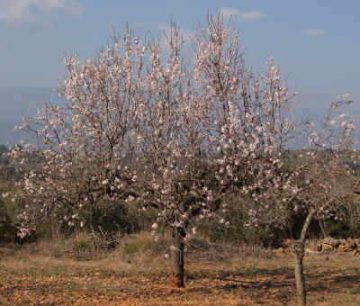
(86, 149)
(134, 125)
(317, 183)
(324, 181)
(208, 132)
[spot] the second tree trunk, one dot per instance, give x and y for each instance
(299, 273)
(177, 257)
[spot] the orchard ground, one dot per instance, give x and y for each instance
(136, 273)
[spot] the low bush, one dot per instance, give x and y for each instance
(7, 228)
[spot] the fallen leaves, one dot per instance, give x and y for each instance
(241, 281)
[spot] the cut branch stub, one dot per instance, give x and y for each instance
(299, 249)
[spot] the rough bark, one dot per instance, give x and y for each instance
(177, 258)
(299, 273)
(299, 250)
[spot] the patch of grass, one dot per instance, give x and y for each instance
(137, 244)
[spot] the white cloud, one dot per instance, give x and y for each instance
(244, 15)
(314, 32)
(23, 10)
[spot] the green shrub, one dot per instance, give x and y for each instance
(137, 244)
(7, 228)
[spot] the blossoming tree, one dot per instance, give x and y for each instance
(317, 182)
(324, 182)
(86, 148)
(208, 132)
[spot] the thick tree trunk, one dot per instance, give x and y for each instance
(177, 257)
(299, 250)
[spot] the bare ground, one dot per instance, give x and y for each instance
(233, 276)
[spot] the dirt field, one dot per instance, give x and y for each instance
(232, 277)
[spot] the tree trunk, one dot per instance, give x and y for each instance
(177, 257)
(299, 251)
(323, 228)
(299, 273)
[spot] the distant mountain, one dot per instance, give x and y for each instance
(310, 106)
(314, 107)
(17, 102)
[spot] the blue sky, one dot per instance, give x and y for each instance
(316, 42)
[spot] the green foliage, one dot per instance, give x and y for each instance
(83, 243)
(7, 228)
(3, 149)
(138, 244)
(118, 217)
(89, 245)
(105, 217)
(237, 231)
(337, 229)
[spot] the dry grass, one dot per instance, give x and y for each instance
(136, 274)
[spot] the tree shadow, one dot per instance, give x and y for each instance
(335, 280)
(278, 283)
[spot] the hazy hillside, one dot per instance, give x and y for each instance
(17, 102)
